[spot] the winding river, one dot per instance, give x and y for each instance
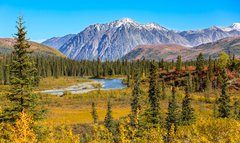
(106, 84)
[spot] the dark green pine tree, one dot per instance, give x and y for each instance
(154, 97)
(171, 119)
(22, 78)
(172, 112)
(94, 113)
(224, 107)
(200, 63)
(179, 63)
(187, 115)
(109, 121)
(136, 93)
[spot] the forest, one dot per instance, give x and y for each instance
(165, 101)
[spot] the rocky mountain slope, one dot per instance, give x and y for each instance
(114, 40)
(57, 42)
(6, 47)
(171, 51)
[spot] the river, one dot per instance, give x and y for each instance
(106, 84)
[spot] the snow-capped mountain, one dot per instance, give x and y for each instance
(234, 26)
(113, 40)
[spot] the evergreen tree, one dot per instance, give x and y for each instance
(179, 63)
(187, 115)
(109, 121)
(154, 97)
(94, 113)
(171, 119)
(136, 93)
(99, 70)
(22, 78)
(200, 63)
(224, 107)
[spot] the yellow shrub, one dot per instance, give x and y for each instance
(210, 130)
(20, 132)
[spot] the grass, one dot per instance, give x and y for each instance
(75, 109)
(61, 82)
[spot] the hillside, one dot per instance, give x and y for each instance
(157, 52)
(171, 51)
(6, 46)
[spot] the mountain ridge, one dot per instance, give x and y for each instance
(113, 40)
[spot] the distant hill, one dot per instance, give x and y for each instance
(157, 52)
(171, 51)
(6, 46)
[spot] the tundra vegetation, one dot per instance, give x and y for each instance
(192, 101)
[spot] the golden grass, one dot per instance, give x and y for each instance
(75, 109)
(68, 116)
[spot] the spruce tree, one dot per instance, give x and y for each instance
(154, 97)
(22, 78)
(171, 119)
(208, 89)
(200, 63)
(187, 115)
(109, 121)
(179, 63)
(172, 112)
(136, 93)
(224, 107)
(94, 113)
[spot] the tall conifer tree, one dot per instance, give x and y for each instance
(179, 63)
(109, 121)
(187, 115)
(224, 107)
(154, 97)
(136, 93)
(172, 112)
(22, 78)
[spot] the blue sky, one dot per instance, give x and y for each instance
(48, 18)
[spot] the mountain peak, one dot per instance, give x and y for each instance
(154, 26)
(234, 26)
(126, 20)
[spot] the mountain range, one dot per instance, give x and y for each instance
(114, 40)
